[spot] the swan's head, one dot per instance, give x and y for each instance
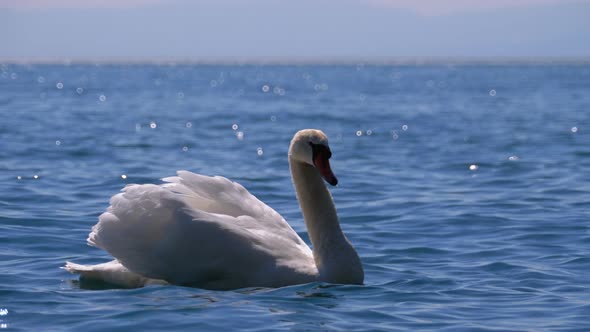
(310, 146)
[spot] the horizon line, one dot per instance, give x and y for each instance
(297, 60)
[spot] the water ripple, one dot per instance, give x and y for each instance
(469, 212)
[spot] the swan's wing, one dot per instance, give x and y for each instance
(196, 230)
(218, 195)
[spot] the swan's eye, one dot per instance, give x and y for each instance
(320, 149)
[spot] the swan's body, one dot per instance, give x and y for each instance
(212, 233)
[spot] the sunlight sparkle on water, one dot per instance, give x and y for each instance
(153, 125)
(59, 85)
(320, 87)
(240, 135)
(102, 98)
(58, 142)
(265, 88)
(513, 158)
(234, 126)
(359, 133)
(473, 167)
(123, 176)
(185, 148)
(574, 130)
(79, 91)
(405, 127)
(277, 90)
(492, 92)
(259, 151)
(35, 176)
(188, 124)
(40, 79)
(394, 135)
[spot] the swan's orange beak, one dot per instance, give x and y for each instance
(321, 160)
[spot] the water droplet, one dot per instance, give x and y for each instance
(35, 176)
(259, 151)
(234, 126)
(59, 85)
(492, 92)
(273, 118)
(40, 79)
(153, 125)
(188, 124)
(123, 176)
(513, 158)
(102, 98)
(265, 88)
(19, 177)
(574, 130)
(79, 91)
(369, 132)
(473, 167)
(359, 133)
(240, 135)
(405, 127)
(58, 142)
(185, 148)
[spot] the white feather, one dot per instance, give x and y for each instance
(202, 231)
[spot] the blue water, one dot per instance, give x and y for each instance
(464, 188)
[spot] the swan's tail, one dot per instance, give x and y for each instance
(113, 273)
(77, 268)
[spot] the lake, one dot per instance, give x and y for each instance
(465, 188)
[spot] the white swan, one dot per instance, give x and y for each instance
(209, 232)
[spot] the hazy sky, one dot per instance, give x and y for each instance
(313, 28)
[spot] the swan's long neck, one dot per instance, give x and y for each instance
(335, 257)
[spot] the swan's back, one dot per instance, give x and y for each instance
(202, 231)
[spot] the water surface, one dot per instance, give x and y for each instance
(465, 189)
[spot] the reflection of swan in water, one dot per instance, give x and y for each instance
(212, 233)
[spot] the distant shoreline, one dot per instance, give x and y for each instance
(296, 60)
